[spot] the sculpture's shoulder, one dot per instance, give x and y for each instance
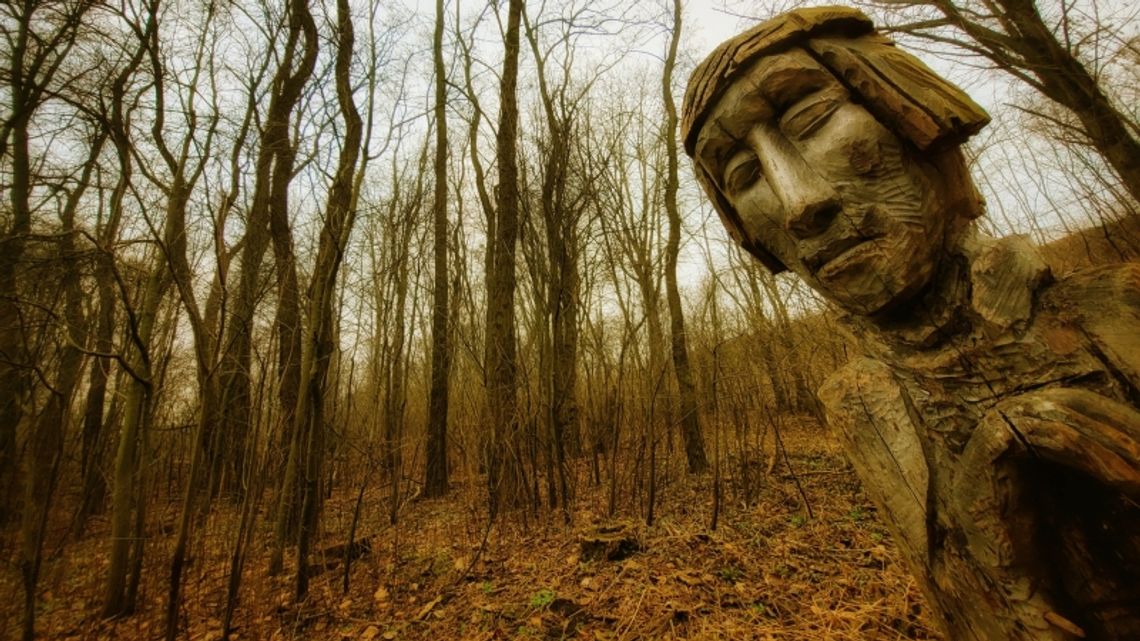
(870, 413)
(864, 398)
(1005, 275)
(1104, 304)
(851, 385)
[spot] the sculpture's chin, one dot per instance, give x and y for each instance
(875, 278)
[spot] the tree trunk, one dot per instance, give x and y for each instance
(435, 474)
(286, 516)
(94, 438)
(690, 415)
(272, 174)
(50, 430)
(135, 410)
(505, 474)
(340, 215)
(1029, 49)
(94, 428)
(15, 381)
(560, 305)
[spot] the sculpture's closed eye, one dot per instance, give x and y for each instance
(741, 172)
(808, 115)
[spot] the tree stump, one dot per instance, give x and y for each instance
(610, 542)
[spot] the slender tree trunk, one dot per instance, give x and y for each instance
(560, 313)
(36, 46)
(175, 241)
(435, 475)
(301, 24)
(135, 411)
(94, 439)
(690, 415)
(505, 474)
(94, 427)
(50, 430)
(564, 368)
(402, 216)
(395, 381)
(15, 380)
(340, 215)
(272, 174)
(172, 267)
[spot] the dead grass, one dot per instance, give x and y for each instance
(767, 572)
(1112, 242)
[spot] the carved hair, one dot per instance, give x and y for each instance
(918, 105)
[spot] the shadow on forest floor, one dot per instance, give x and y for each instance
(767, 572)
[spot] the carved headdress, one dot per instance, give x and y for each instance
(898, 89)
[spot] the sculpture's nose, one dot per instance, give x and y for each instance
(811, 213)
(810, 202)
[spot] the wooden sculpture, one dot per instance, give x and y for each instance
(993, 416)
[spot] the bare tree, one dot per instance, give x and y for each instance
(141, 320)
(1061, 59)
(179, 168)
(435, 472)
(690, 416)
(395, 276)
(561, 210)
(114, 113)
(52, 424)
(274, 168)
(505, 477)
(40, 34)
(318, 348)
(270, 203)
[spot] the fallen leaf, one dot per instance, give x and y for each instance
(428, 608)
(689, 580)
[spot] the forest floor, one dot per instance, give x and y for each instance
(768, 570)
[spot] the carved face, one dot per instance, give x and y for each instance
(823, 186)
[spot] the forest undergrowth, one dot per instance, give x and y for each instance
(769, 570)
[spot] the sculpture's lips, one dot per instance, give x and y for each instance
(832, 250)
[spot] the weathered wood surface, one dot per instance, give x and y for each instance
(1013, 489)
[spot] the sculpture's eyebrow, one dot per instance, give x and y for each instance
(740, 110)
(714, 146)
(783, 84)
